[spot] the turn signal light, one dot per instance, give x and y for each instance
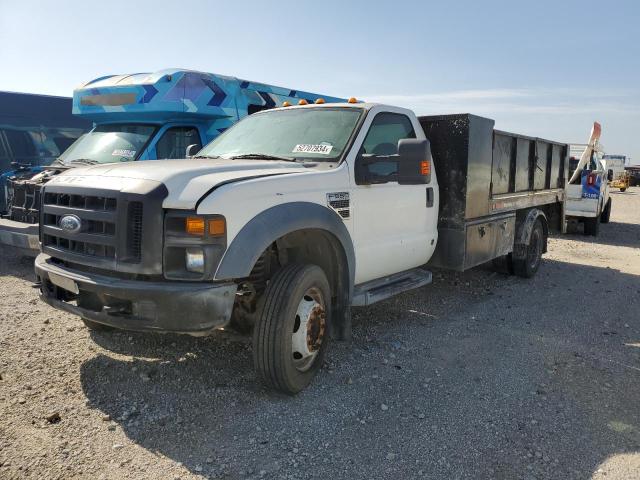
(425, 167)
(194, 226)
(217, 226)
(303, 102)
(352, 100)
(319, 101)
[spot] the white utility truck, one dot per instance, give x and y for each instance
(588, 199)
(289, 218)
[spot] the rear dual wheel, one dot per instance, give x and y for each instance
(528, 266)
(592, 226)
(291, 335)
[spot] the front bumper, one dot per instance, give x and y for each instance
(20, 235)
(194, 308)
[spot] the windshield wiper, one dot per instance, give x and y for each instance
(262, 156)
(205, 156)
(84, 161)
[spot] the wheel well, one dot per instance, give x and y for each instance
(525, 220)
(321, 248)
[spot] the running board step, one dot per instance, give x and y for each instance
(383, 288)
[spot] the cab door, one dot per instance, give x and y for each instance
(395, 226)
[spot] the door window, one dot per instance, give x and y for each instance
(382, 139)
(175, 140)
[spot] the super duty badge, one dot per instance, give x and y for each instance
(339, 201)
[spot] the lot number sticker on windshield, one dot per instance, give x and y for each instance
(121, 152)
(322, 149)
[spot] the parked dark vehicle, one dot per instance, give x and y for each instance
(34, 131)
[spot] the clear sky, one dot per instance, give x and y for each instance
(542, 68)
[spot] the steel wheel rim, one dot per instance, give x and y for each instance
(309, 329)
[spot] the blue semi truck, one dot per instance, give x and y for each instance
(143, 116)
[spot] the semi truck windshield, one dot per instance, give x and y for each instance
(319, 134)
(110, 143)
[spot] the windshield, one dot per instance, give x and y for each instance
(319, 134)
(109, 143)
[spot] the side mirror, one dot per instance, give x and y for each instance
(610, 175)
(410, 166)
(366, 166)
(192, 150)
(414, 162)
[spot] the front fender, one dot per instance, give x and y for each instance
(275, 222)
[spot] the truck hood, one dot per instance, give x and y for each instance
(186, 180)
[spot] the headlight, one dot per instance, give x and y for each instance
(193, 245)
(194, 259)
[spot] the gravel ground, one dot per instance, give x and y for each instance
(479, 375)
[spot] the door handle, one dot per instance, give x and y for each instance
(429, 197)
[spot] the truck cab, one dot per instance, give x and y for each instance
(144, 116)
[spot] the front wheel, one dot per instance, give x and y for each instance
(623, 189)
(528, 266)
(291, 334)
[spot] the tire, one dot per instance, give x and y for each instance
(623, 189)
(285, 358)
(528, 266)
(503, 264)
(592, 226)
(96, 327)
(606, 213)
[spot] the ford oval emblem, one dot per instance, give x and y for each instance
(70, 223)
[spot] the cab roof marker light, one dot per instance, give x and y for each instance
(352, 100)
(286, 104)
(319, 101)
(303, 102)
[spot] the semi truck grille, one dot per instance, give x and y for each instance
(105, 229)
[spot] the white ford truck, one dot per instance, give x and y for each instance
(289, 218)
(588, 198)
